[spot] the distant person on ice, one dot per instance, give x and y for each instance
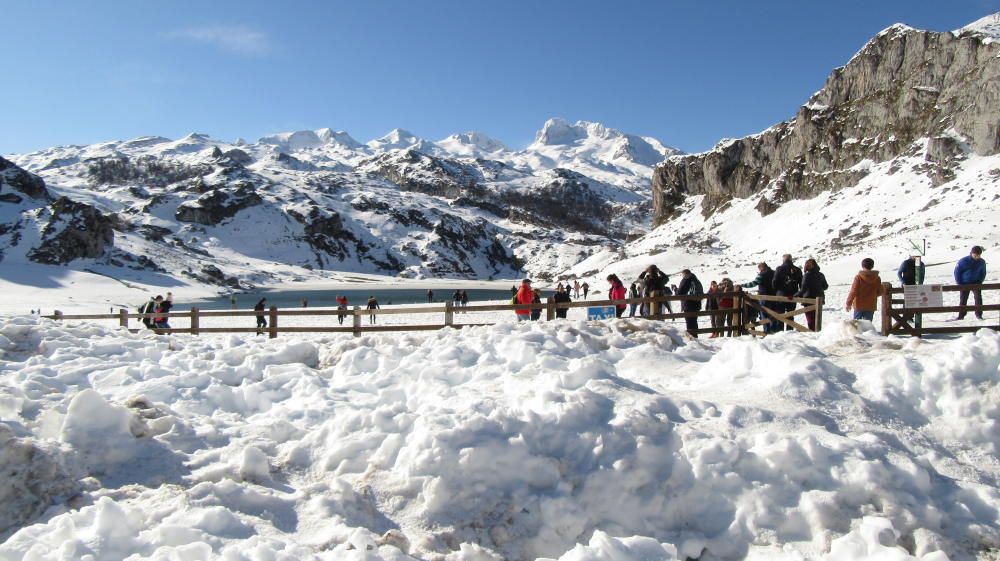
(430, 296)
(524, 295)
(261, 321)
(911, 269)
(372, 305)
(865, 291)
(971, 269)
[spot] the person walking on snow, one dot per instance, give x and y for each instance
(372, 305)
(865, 291)
(814, 285)
(524, 295)
(765, 287)
(586, 289)
(971, 269)
(616, 292)
(341, 309)
(576, 288)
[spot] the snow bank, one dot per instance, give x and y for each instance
(558, 440)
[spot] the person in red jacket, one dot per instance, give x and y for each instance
(617, 292)
(524, 296)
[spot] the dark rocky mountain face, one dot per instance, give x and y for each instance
(14, 180)
(903, 86)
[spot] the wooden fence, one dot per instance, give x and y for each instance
(900, 320)
(741, 319)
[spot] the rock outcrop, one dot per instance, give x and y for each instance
(218, 204)
(903, 86)
(74, 231)
(13, 178)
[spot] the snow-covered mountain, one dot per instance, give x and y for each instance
(901, 145)
(307, 204)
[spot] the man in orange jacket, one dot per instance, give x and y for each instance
(865, 291)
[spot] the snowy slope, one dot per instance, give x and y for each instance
(560, 440)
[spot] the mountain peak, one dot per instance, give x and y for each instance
(396, 139)
(471, 143)
(988, 26)
(307, 139)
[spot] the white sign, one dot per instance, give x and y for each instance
(922, 296)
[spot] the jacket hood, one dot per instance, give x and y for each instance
(869, 277)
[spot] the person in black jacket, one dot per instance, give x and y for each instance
(690, 286)
(787, 279)
(633, 292)
(562, 297)
(765, 287)
(261, 321)
(657, 284)
(372, 305)
(813, 286)
(910, 271)
(536, 298)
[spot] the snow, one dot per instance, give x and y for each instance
(571, 440)
(987, 26)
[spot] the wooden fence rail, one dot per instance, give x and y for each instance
(739, 317)
(897, 319)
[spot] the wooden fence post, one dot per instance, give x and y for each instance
(195, 323)
(741, 312)
(550, 309)
(886, 309)
(449, 313)
(819, 314)
(123, 318)
(357, 321)
(272, 330)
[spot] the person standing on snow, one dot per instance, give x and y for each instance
(536, 298)
(910, 270)
(147, 310)
(576, 288)
(657, 284)
(163, 307)
(712, 304)
(690, 286)
(765, 287)
(372, 305)
(865, 291)
(971, 269)
(465, 298)
(524, 295)
(562, 297)
(616, 292)
(261, 321)
(586, 289)
(633, 292)
(787, 279)
(341, 309)
(814, 285)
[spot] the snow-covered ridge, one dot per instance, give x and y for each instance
(559, 440)
(988, 26)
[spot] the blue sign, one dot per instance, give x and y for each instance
(601, 312)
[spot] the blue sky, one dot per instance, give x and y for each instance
(688, 73)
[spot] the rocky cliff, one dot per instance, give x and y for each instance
(904, 86)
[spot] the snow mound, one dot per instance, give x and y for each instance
(618, 440)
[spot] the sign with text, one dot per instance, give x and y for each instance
(922, 296)
(601, 312)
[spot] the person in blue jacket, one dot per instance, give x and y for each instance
(971, 269)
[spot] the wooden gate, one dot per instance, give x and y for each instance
(767, 314)
(897, 319)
